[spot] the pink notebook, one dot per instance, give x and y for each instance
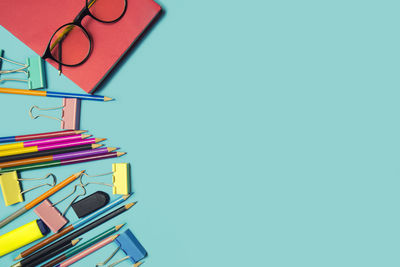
(34, 21)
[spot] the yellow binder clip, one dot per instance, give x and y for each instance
(11, 189)
(121, 178)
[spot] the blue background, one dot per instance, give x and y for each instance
(260, 133)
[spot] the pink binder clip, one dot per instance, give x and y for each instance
(71, 112)
(50, 214)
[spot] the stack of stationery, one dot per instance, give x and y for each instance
(67, 148)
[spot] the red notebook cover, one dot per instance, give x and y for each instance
(34, 21)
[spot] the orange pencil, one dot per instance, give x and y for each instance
(40, 198)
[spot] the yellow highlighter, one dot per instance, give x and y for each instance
(22, 236)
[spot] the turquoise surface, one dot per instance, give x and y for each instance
(260, 133)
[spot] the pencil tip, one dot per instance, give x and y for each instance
(119, 226)
(137, 264)
(114, 236)
(120, 153)
(17, 258)
(97, 145)
(73, 242)
(128, 206)
(79, 173)
(125, 197)
(107, 98)
(86, 136)
(100, 139)
(110, 149)
(80, 131)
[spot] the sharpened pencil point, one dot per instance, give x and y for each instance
(119, 226)
(18, 264)
(97, 145)
(80, 131)
(128, 206)
(79, 173)
(86, 136)
(110, 149)
(18, 257)
(120, 154)
(137, 264)
(100, 139)
(75, 241)
(114, 237)
(107, 98)
(126, 196)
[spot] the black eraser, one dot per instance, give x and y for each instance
(91, 203)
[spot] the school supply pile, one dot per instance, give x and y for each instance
(84, 41)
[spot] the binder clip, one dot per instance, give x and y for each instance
(130, 246)
(51, 215)
(33, 69)
(70, 117)
(11, 189)
(120, 177)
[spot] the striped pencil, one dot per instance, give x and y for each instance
(63, 162)
(31, 149)
(63, 156)
(63, 139)
(49, 152)
(27, 137)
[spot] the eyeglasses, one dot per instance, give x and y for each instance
(71, 44)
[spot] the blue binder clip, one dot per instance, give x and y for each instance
(33, 69)
(129, 244)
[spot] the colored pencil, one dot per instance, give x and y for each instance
(81, 222)
(49, 152)
(56, 163)
(53, 94)
(83, 246)
(70, 155)
(30, 149)
(20, 138)
(56, 245)
(88, 251)
(53, 253)
(40, 198)
(62, 139)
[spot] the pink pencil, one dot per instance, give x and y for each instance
(88, 251)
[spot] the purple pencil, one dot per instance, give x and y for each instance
(31, 149)
(63, 156)
(62, 162)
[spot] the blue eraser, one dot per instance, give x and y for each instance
(131, 246)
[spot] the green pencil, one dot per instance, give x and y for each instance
(83, 246)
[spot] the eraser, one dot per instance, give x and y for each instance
(90, 203)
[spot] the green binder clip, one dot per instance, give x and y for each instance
(36, 77)
(33, 69)
(1, 56)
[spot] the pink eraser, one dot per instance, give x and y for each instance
(50, 215)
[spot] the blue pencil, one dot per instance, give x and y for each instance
(53, 94)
